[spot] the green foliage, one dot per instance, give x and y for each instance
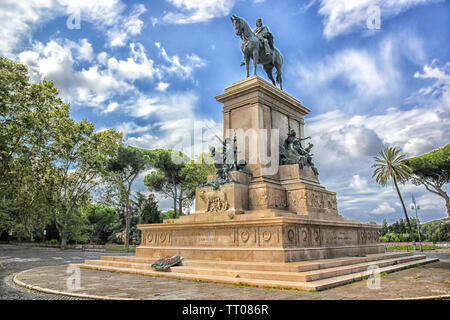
(166, 179)
(168, 215)
(120, 249)
(128, 163)
(193, 174)
(431, 164)
(177, 178)
(384, 228)
(432, 170)
(393, 237)
(49, 163)
(81, 159)
(147, 208)
(101, 219)
(433, 231)
(410, 248)
(29, 114)
(436, 231)
(390, 167)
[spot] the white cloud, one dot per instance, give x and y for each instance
(440, 88)
(94, 85)
(111, 107)
(368, 76)
(193, 11)
(352, 141)
(344, 146)
(341, 17)
(165, 106)
(162, 86)
(127, 26)
(383, 208)
(137, 66)
(18, 19)
(85, 51)
(131, 128)
(358, 183)
(183, 68)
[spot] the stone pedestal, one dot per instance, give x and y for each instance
(280, 215)
(253, 108)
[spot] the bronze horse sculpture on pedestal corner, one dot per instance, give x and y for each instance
(252, 48)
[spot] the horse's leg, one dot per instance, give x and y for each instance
(255, 61)
(279, 80)
(268, 69)
(247, 64)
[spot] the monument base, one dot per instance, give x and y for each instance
(262, 235)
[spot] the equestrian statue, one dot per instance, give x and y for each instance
(258, 46)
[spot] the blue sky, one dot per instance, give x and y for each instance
(150, 67)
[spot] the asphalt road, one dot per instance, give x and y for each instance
(14, 259)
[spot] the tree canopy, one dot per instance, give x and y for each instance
(127, 165)
(49, 163)
(433, 171)
(390, 167)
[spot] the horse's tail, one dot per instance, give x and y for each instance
(279, 66)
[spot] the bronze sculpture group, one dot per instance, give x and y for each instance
(292, 152)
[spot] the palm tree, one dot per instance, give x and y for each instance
(389, 166)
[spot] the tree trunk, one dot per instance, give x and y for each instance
(174, 198)
(63, 241)
(127, 221)
(444, 195)
(180, 205)
(63, 237)
(437, 190)
(406, 214)
(127, 218)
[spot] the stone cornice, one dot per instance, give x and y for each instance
(258, 85)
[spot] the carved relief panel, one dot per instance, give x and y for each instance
(269, 236)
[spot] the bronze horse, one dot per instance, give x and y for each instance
(251, 48)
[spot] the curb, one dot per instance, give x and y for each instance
(96, 297)
(443, 297)
(64, 293)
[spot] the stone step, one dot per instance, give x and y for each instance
(265, 266)
(294, 276)
(354, 268)
(291, 266)
(311, 286)
(340, 280)
(194, 267)
(132, 259)
(120, 264)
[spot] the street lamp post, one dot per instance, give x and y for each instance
(416, 207)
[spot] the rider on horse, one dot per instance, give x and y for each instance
(264, 35)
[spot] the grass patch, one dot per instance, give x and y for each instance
(410, 248)
(120, 249)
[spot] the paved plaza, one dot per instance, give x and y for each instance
(48, 268)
